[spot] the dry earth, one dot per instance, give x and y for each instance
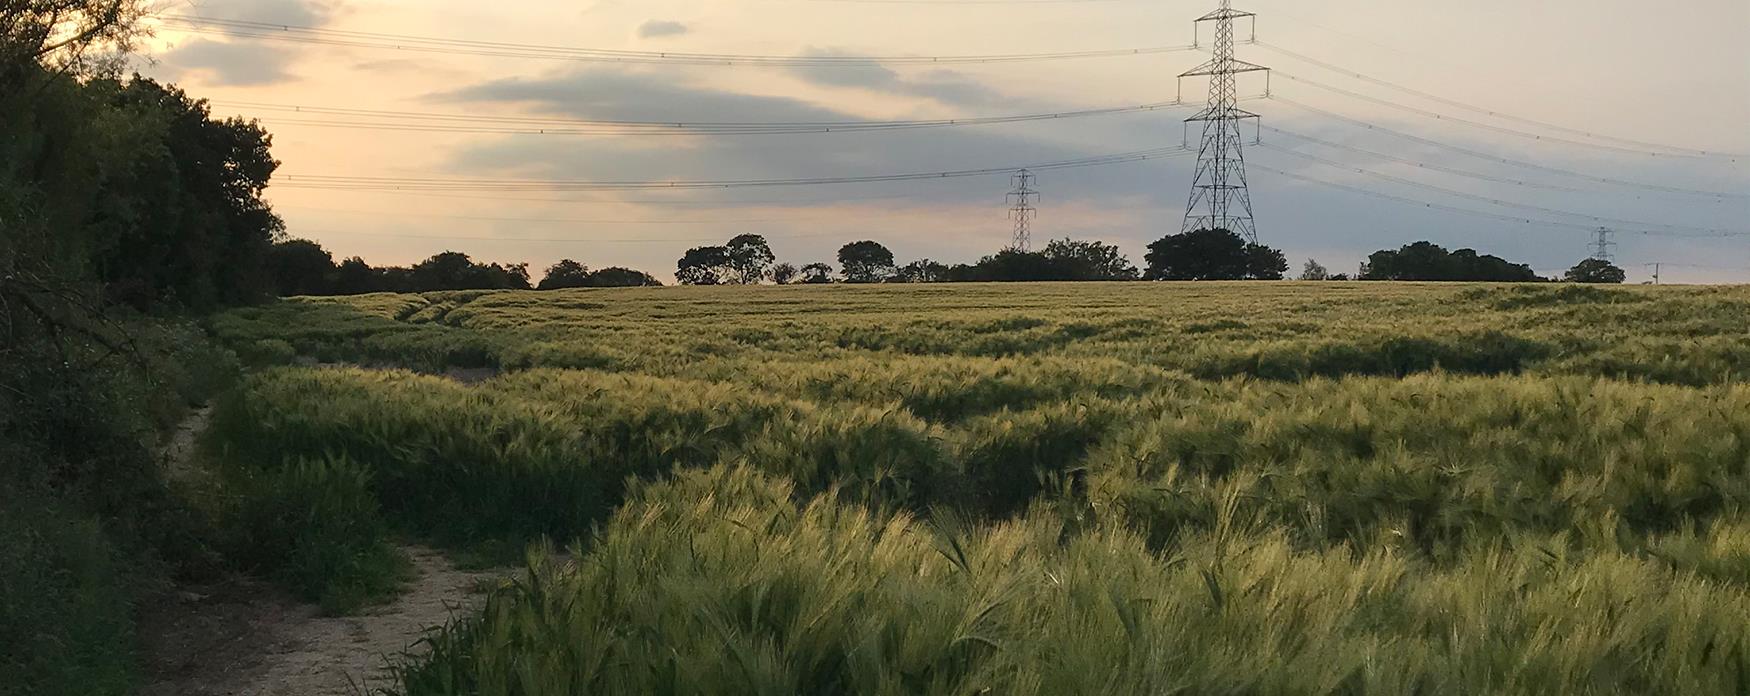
(245, 637)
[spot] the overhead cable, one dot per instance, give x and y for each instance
(1505, 160)
(1492, 113)
(402, 42)
(463, 184)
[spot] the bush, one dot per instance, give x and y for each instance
(64, 608)
(314, 526)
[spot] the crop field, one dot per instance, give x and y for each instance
(1128, 488)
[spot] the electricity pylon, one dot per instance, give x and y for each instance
(1602, 245)
(1220, 198)
(1021, 208)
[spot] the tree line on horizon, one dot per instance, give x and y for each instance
(303, 267)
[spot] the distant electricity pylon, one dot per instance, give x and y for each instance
(1021, 208)
(1602, 244)
(1220, 198)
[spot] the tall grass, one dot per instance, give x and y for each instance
(719, 583)
(314, 525)
(1127, 488)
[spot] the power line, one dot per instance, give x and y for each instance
(440, 184)
(612, 221)
(652, 202)
(1596, 219)
(477, 123)
(1505, 160)
(624, 240)
(1419, 164)
(424, 44)
(1488, 112)
(1470, 211)
(1486, 126)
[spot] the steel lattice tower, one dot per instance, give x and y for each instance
(1601, 246)
(1022, 210)
(1220, 198)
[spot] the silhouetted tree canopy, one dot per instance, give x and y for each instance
(301, 267)
(1429, 261)
(921, 271)
(620, 277)
(815, 274)
(749, 259)
(355, 277)
(1089, 260)
(1595, 271)
(866, 262)
(784, 273)
(453, 270)
(707, 265)
(1212, 255)
(565, 274)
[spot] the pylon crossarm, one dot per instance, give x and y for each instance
(1225, 14)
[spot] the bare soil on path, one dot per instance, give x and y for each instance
(245, 637)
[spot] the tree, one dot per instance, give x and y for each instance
(866, 262)
(708, 265)
(453, 270)
(1429, 261)
(784, 273)
(1216, 254)
(1014, 266)
(921, 271)
(618, 277)
(355, 277)
(300, 267)
(565, 274)
(1314, 271)
(816, 274)
(65, 37)
(749, 258)
(1089, 260)
(1595, 271)
(1265, 263)
(179, 220)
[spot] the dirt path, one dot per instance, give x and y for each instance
(245, 637)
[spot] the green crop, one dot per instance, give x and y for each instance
(1091, 488)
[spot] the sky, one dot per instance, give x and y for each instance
(1611, 86)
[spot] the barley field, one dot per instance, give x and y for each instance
(1128, 488)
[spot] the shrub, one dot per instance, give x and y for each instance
(314, 525)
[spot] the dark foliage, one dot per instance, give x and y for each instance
(866, 262)
(1595, 271)
(750, 259)
(707, 265)
(302, 267)
(1429, 261)
(565, 274)
(815, 274)
(620, 277)
(1212, 255)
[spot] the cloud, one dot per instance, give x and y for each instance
(245, 62)
(614, 95)
(941, 85)
(304, 13)
(233, 64)
(657, 28)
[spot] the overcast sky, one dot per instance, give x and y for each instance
(1623, 69)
